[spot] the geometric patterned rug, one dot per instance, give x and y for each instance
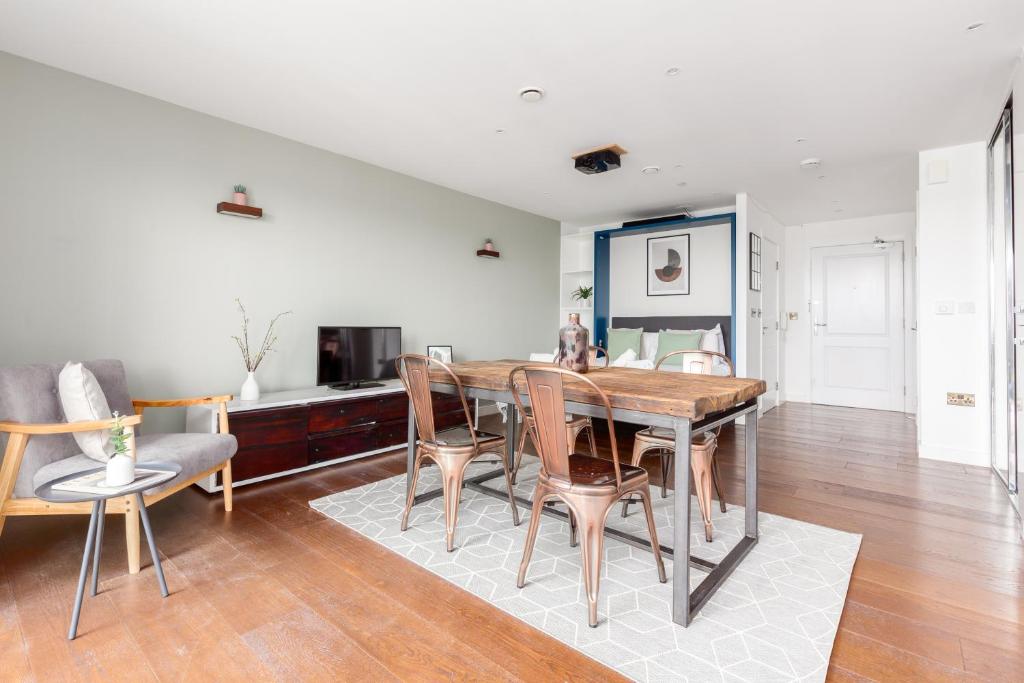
(774, 619)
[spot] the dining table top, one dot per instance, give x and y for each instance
(678, 394)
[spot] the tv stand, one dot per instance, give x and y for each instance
(349, 386)
(285, 432)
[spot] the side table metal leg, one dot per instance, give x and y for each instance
(98, 544)
(152, 545)
(89, 539)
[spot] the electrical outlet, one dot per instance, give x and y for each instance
(955, 398)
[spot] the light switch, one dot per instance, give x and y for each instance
(945, 308)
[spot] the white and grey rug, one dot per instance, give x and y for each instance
(774, 619)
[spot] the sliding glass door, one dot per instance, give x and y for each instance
(1007, 309)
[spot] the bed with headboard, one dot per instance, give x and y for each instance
(656, 323)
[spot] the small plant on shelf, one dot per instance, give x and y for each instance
(583, 294)
(240, 197)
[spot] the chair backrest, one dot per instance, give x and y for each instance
(544, 385)
(697, 362)
(414, 371)
(29, 394)
(598, 361)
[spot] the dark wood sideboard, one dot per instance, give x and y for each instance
(292, 432)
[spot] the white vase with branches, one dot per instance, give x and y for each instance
(251, 388)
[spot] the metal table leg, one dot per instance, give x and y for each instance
(681, 525)
(510, 433)
(750, 447)
(98, 544)
(152, 545)
(90, 538)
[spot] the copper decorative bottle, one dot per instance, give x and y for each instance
(574, 345)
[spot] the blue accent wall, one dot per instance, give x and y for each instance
(602, 265)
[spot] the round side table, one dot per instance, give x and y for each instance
(94, 538)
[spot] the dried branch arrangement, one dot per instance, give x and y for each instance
(269, 339)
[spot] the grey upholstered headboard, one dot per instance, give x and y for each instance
(655, 323)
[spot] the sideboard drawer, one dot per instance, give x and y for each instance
(392, 433)
(336, 415)
(269, 427)
(340, 445)
(260, 461)
(394, 407)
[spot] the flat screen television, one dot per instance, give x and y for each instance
(351, 357)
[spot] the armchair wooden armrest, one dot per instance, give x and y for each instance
(67, 427)
(138, 403)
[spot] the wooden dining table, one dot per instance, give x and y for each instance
(686, 403)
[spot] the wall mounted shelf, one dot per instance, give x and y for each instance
(488, 253)
(239, 210)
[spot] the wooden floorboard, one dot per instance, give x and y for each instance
(275, 591)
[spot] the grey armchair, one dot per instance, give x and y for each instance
(38, 446)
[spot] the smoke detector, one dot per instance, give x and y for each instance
(531, 95)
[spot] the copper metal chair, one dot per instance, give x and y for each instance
(702, 450)
(452, 449)
(589, 486)
(574, 424)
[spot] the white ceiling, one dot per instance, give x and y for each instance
(419, 86)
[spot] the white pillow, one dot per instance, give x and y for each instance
(712, 340)
(648, 346)
(626, 356)
(83, 401)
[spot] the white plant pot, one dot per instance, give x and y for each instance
(250, 388)
(120, 470)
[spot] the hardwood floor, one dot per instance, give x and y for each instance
(277, 591)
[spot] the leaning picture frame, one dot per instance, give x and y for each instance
(442, 352)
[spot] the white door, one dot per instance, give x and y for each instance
(770, 323)
(857, 326)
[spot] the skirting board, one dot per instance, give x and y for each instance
(959, 455)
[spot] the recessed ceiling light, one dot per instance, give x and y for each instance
(650, 170)
(975, 26)
(672, 71)
(810, 163)
(799, 140)
(682, 184)
(499, 130)
(531, 95)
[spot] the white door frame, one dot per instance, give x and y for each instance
(909, 400)
(768, 324)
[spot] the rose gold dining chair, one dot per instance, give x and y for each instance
(702, 451)
(574, 424)
(452, 449)
(589, 486)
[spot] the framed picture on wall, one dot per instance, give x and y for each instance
(755, 263)
(668, 265)
(441, 353)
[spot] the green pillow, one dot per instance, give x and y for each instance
(677, 341)
(621, 340)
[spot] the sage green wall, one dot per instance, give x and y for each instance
(111, 246)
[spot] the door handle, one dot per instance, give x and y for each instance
(821, 324)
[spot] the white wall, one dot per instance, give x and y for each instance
(800, 239)
(953, 266)
(710, 275)
(112, 246)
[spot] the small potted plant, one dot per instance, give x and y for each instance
(239, 196)
(583, 295)
(250, 388)
(121, 466)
